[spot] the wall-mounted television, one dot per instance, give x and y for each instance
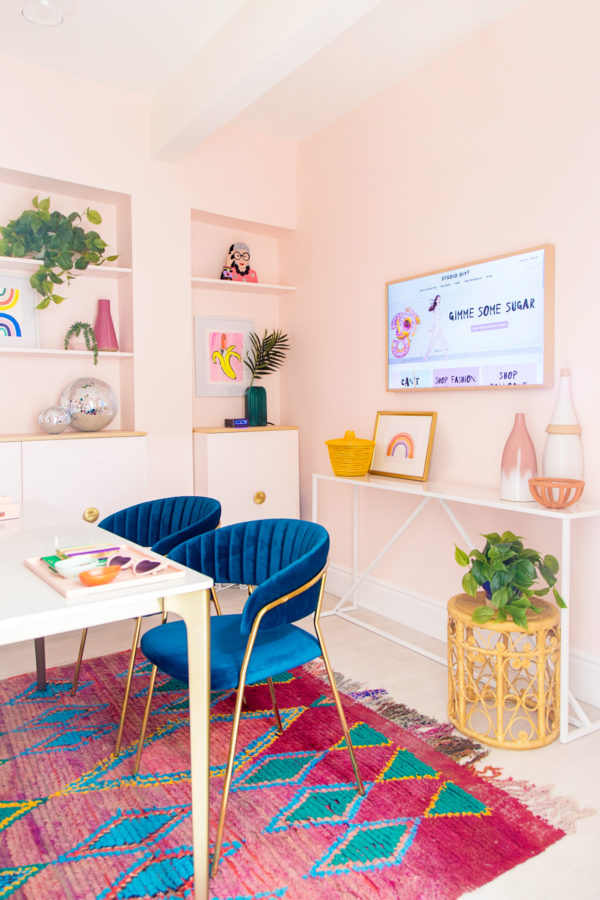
(479, 325)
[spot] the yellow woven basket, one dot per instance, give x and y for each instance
(350, 456)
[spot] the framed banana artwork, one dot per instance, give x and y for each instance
(221, 345)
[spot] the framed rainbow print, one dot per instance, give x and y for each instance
(403, 444)
(221, 345)
(18, 317)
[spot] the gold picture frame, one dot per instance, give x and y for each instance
(403, 444)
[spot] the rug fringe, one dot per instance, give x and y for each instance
(440, 736)
(560, 812)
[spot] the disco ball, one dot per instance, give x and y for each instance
(92, 403)
(54, 419)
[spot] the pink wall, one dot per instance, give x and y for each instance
(490, 149)
(103, 142)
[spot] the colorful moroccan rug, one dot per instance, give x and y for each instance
(74, 823)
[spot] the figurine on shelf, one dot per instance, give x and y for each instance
(237, 264)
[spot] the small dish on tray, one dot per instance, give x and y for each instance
(73, 565)
(99, 575)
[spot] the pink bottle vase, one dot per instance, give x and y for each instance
(519, 463)
(104, 329)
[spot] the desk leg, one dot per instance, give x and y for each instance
(194, 608)
(40, 663)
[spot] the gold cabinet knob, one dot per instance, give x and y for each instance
(260, 497)
(91, 514)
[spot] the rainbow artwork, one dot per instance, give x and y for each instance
(403, 441)
(8, 298)
(16, 319)
(9, 326)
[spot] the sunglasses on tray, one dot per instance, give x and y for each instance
(141, 567)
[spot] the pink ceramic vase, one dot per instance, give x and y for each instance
(519, 463)
(104, 329)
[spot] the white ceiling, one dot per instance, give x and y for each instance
(280, 66)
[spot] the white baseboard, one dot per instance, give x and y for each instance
(429, 616)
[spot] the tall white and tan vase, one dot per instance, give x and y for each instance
(519, 463)
(563, 452)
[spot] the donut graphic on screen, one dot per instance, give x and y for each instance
(405, 325)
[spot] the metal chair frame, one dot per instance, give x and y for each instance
(240, 700)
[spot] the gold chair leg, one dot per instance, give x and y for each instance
(340, 710)
(227, 780)
(138, 756)
(136, 637)
(78, 663)
(275, 707)
(213, 597)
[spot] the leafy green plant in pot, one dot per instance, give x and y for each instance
(87, 332)
(508, 573)
(266, 355)
(64, 247)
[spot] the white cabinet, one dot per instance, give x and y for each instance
(10, 471)
(85, 473)
(252, 472)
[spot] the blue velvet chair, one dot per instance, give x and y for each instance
(160, 525)
(283, 562)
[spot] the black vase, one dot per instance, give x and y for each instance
(256, 405)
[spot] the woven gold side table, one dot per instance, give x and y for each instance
(503, 681)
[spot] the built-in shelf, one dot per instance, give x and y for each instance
(218, 284)
(45, 351)
(26, 264)
(68, 435)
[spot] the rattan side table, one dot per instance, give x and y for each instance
(503, 681)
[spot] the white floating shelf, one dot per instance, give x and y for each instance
(218, 284)
(45, 351)
(26, 264)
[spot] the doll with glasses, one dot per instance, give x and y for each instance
(237, 264)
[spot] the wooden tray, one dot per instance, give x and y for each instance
(72, 587)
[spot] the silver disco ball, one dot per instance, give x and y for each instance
(92, 403)
(54, 419)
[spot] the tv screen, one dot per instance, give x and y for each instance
(482, 324)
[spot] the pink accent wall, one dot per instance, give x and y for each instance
(492, 148)
(102, 140)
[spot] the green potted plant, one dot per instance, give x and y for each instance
(508, 573)
(266, 355)
(63, 246)
(87, 333)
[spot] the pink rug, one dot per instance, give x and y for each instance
(74, 823)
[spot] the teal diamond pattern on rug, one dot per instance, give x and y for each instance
(70, 741)
(11, 811)
(50, 695)
(129, 830)
(323, 804)
(405, 764)
(368, 845)
(452, 800)
(12, 880)
(363, 735)
(277, 769)
(61, 716)
(165, 874)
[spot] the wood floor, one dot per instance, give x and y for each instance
(569, 869)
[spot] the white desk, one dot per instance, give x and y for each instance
(445, 494)
(30, 608)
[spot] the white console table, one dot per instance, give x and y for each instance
(444, 494)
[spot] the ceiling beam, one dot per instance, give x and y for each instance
(263, 42)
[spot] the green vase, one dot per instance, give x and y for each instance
(256, 405)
